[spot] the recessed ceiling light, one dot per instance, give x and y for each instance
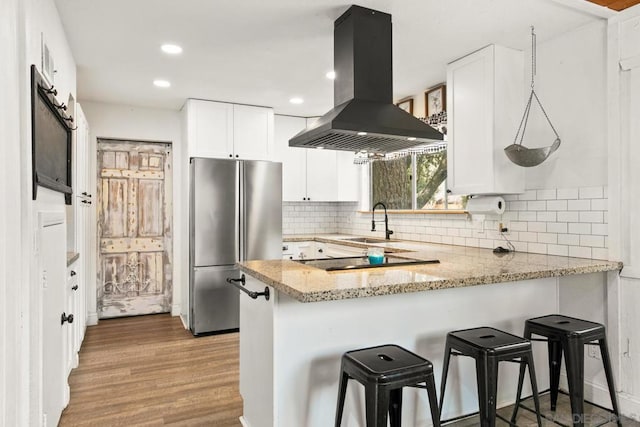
(331, 75)
(296, 100)
(162, 83)
(362, 133)
(411, 138)
(320, 148)
(171, 49)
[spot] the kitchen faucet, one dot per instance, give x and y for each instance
(387, 232)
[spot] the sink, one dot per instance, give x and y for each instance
(367, 240)
(354, 263)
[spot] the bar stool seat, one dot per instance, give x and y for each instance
(569, 335)
(489, 346)
(384, 370)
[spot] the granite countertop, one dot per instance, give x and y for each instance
(72, 257)
(459, 267)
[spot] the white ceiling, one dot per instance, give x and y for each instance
(263, 52)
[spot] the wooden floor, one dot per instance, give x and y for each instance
(150, 371)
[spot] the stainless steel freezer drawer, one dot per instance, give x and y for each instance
(214, 303)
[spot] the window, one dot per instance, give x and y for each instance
(415, 181)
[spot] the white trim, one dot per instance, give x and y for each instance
(183, 319)
(629, 406)
(630, 63)
(175, 309)
(92, 318)
(587, 7)
(244, 422)
(630, 272)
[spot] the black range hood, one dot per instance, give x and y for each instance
(364, 117)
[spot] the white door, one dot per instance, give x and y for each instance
(134, 228)
(54, 332)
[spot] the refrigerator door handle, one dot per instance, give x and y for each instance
(240, 228)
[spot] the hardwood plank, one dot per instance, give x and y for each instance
(150, 371)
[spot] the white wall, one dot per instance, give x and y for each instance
(571, 84)
(145, 124)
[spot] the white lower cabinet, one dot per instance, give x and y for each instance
(312, 174)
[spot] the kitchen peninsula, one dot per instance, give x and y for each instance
(291, 344)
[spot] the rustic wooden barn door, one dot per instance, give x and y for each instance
(134, 228)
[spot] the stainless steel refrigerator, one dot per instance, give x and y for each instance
(235, 215)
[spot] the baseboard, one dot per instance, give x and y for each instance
(183, 318)
(629, 406)
(92, 319)
(598, 394)
(244, 422)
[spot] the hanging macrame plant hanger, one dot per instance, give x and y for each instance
(518, 153)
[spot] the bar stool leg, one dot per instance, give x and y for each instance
(395, 407)
(534, 385)
(518, 394)
(606, 361)
(487, 377)
(377, 405)
(574, 354)
(433, 400)
(555, 363)
(445, 371)
(342, 391)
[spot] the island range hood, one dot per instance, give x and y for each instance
(364, 117)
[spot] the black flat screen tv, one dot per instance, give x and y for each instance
(51, 139)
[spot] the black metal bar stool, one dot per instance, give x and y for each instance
(384, 370)
(569, 335)
(488, 346)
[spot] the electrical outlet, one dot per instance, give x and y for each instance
(478, 225)
(594, 352)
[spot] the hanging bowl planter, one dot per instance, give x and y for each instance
(518, 153)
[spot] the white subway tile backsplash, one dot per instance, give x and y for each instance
(537, 248)
(557, 227)
(527, 216)
(548, 238)
(546, 216)
(567, 193)
(556, 205)
(579, 205)
(579, 252)
(546, 194)
(592, 241)
(579, 228)
(568, 216)
(569, 239)
(600, 253)
(592, 216)
(540, 205)
(570, 221)
(528, 195)
(558, 250)
(600, 229)
(537, 227)
(591, 192)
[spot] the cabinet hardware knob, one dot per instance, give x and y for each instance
(237, 156)
(65, 318)
(75, 288)
(230, 155)
(73, 273)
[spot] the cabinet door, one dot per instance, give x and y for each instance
(322, 177)
(348, 177)
(470, 103)
(294, 175)
(252, 132)
(210, 129)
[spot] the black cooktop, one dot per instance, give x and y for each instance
(358, 262)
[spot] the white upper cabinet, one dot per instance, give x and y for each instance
(309, 174)
(252, 132)
(222, 130)
(485, 101)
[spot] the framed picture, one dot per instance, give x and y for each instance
(406, 105)
(435, 100)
